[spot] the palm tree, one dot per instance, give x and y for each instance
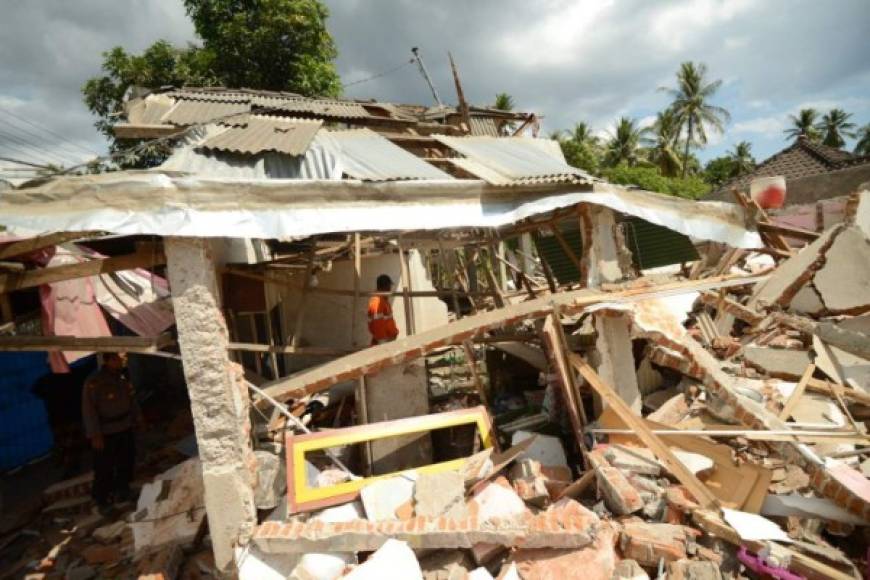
(503, 102)
(862, 147)
(692, 106)
(662, 144)
(741, 159)
(803, 125)
(835, 126)
(624, 143)
(582, 134)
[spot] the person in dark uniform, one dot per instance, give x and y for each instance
(109, 412)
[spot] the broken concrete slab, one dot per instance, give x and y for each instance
(649, 543)
(394, 559)
(841, 366)
(843, 280)
(620, 496)
(693, 570)
(109, 533)
(271, 479)
(671, 411)
(170, 511)
(546, 450)
(382, 498)
(530, 483)
(254, 564)
(791, 275)
(753, 526)
(555, 529)
(446, 565)
(634, 459)
(807, 507)
(777, 363)
(629, 570)
(597, 561)
(496, 499)
(440, 494)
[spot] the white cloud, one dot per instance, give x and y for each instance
(774, 124)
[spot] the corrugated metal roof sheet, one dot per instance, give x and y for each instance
(483, 126)
(317, 163)
(324, 107)
(186, 112)
(150, 110)
(368, 156)
(259, 134)
(214, 96)
(513, 160)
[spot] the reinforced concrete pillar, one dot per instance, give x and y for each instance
(219, 397)
(607, 264)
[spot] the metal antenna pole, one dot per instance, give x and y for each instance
(422, 67)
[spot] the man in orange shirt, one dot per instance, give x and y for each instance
(382, 327)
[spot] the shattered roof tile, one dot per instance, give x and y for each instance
(260, 134)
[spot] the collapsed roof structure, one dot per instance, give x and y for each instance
(274, 214)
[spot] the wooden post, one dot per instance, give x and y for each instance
(472, 367)
(306, 283)
(357, 275)
(701, 493)
(406, 288)
(554, 339)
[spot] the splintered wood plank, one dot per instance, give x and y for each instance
(798, 392)
(702, 495)
(376, 358)
(554, 339)
(29, 245)
(32, 278)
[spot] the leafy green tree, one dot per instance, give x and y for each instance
(862, 147)
(159, 65)
(804, 125)
(662, 143)
(650, 179)
(835, 126)
(280, 45)
(258, 44)
(580, 146)
(503, 102)
(692, 107)
(719, 170)
(742, 161)
(624, 143)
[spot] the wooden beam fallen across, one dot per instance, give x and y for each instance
(378, 357)
(554, 339)
(788, 231)
(32, 278)
(798, 392)
(282, 349)
(135, 344)
(29, 245)
(731, 306)
(702, 494)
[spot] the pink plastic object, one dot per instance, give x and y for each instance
(768, 192)
(759, 565)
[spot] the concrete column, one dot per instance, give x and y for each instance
(218, 397)
(606, 264)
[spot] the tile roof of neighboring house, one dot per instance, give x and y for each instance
(800, 160)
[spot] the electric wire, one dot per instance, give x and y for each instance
(380, 74)
(47, 130)
(40, 150)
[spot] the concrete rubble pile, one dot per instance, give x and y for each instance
(747, 459)
(704, 424)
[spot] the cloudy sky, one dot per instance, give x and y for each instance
(567, 60)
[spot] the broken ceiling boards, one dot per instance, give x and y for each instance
(302, 496)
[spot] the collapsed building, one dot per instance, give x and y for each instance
(550, 404)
